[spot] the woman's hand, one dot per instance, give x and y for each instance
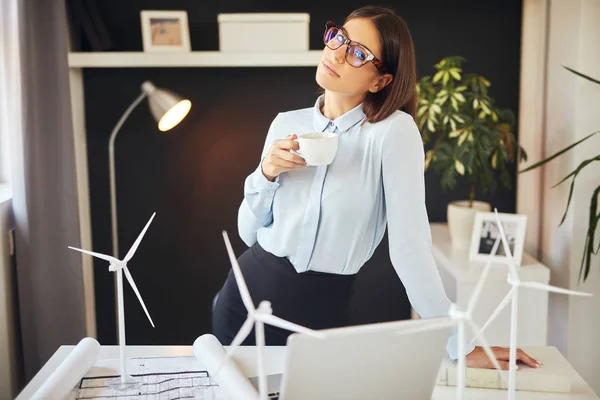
(479, 359)
(280, 159)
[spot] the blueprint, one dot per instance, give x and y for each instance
(162, 378)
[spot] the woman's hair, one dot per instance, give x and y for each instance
(398, 56)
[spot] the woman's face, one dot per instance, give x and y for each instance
(336, 75)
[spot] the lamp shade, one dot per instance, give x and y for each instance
(167, 108)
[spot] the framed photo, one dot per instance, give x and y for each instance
(485, 232)
(165, 31)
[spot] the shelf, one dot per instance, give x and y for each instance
(193, 59)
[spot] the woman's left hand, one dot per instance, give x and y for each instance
(479, 359)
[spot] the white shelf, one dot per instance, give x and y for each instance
(193, 59)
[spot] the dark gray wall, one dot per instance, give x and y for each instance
(193, 176)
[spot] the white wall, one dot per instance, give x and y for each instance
(572, 110)
(583, 344)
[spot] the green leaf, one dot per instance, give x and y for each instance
(574, 174)
(458, 119)
(437, 109)
(452, 124)
(462, 138)
(454, 103)
(456, 133)
(475, 104)
(421, 111)
(428, 157)
(553, 156)
(460, 168)
(445, 78)
(589, 241)
(459, 97)
(430, 125)
(485, 107)
(583, 76)
(495, 160)
(438, 76)
(455, 73)
(460, 88)
(581, 166)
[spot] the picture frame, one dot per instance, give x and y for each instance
(165, 31)
(485, 232)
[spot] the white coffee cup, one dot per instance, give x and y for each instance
(318, 148)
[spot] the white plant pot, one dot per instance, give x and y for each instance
(460, 221)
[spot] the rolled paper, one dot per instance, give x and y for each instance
(69, 373)
(211, 353)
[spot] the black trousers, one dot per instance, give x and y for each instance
(312, 299)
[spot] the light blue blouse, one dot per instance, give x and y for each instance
(332, 218)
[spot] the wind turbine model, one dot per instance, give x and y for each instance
(259, 316)
(459, 319)
(120, 267)
(513, 296)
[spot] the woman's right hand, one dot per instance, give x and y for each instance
(280, 159)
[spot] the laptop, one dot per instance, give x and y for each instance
(362, 362)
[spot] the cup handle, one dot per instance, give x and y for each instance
(297, 152)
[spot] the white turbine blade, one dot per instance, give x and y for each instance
(487, 348)
(482, 278)
(511, 261)
(290, 326)
(137, 293)
(548, 288)
(236, 342)
(241, 335)
(497, 311)
(239, 277)
(133, 248)
(97, 255)
(425, 327)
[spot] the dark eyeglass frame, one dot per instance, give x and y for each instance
(342, 32)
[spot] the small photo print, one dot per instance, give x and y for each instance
(486, 232)
(165, 31)
(489, 234)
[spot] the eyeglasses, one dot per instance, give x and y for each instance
(357, 55)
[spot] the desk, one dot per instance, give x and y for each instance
(274, 361)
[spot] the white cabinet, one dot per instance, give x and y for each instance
(533, 304)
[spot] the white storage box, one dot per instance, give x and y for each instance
(263, 33)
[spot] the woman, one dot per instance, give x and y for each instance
(311, 229)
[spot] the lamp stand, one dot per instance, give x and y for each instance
(125, 382)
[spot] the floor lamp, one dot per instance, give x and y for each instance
(168, 110)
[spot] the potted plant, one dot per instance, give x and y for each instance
(590, 248)
(469, 136)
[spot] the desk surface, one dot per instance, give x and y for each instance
(274, 361)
